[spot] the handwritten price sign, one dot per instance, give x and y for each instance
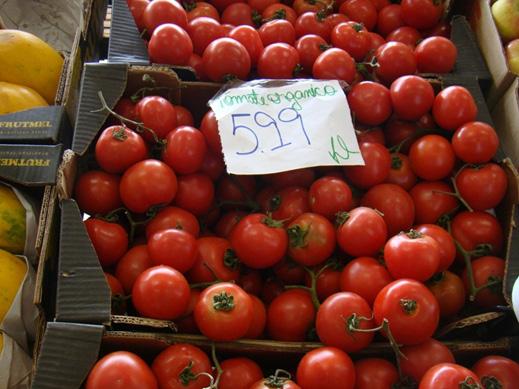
(269, 126)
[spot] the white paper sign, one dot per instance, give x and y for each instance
(515, 298)
(270, 126)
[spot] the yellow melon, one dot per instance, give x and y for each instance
(12, 273)
(12, 221)
(14, 98)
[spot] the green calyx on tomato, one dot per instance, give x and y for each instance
(469, 383)
(269, 222)
(230, 260)
(119, 133)
(223, 302)
(495, 284)
(491, 382)
(187, 375)
(297, 70)
(357, 27)
(275, 202)
(189, 5)
(297, 236)
(396, 162)
(277, 380)
(413, 234)
(408, 306)
(341, 218)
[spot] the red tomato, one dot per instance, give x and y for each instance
(290, 316)
(299, 177)
(377, 164)
(447, 376)
(227, 222)
(475, 142)
(184, 117)
(279, 11)
(411, 310)
(239, 373)
(251, 281)
(225, 57)
(375, 41)
(173, 217)
(260, 5)
(209, 127)
(421, 357)
(259, 241)
(453, 107)
(212, 166)
(370, 102)
(326, 367)
(337, 319)
(328, 282)
(251, 39)
(351, 37)
(195, 193)
(121, 370)
(179, 366)
(215, 260)
(432, 157)
(389, 19)
(334, 64)
(443, 28)
(161, 292)
(159, 12)
(278, 60)
(312, 23)
(401, 173)
(421, 14)
(271, 288)
(375, 373)
(400, 133)
(475, 229)
(137, 8)
(495, 369)
(116, 288)
(97, 192)
(275, 381)
(170, 44)
(312, 239)
(224, 312)
(158, 114)
(290, 272)
(361, 11)
(430, 204)
(370, 135)
(201, 9)
(445, 242)
(394, 59)
(186, 323)
(411, 96)
(238, 14)
(203, 31)
(448, 289)
(277, 31)
(406, 35)
(236, 188)
(436, 55)
(329, 195)
(487, 269)
(336, 18)
(110, 240)
(185, 150)
(174, 248)
(288, 203)
(259, 319)
(195, 63)
(133, 263)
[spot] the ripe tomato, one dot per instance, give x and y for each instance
(277, 31)
(259, 319)
(212, 166)
(278, 60)
(97, 192)
(375, 373)
(110, 240)
(174, 248)
(475, 142)
(377, 164)
(395, 204)
(482, 187)
(203, 31)
(290, 316)
(421, 14)
(260, 5)
(158, 114)
(147, 183)
(287, 204)
(276, 382)
(401, 173)
(370, 102)
(453, 107)
(209, 127)
(299, 177)
(224, 58)
(309, 47)
(223, 312)
(326, 367)
(185, 150)
(201, 9)
(432, 157)
(270, 289)
(474, 229)
(375, 41)
(337, 319)
(279, 11)
(336, 18)
(351, 37)
(370, 135)
(170, 44)
(411, 96)
(448, 289)
(430, 204)
(215, 260)
(421, 357)
(398, 132)
(329, 195)
(179, 366)
(447, 376)
(250, 38)
(435, 55)
(195, 193)
(406, 35)
(334, 64)
(118, 148)
(394, 59)
(227, 222)
(133, 263)
(487, 269)
(328, 282)
(222, 4)
(137, 8)
(160, 292)
(159, 12)
(238, 14)
(126, 108)
(446, 244)
(389, 19)
(236, 188)
(497, 370)
(259, 241)
(312, 23)
(312, 239)
(173, 217)
(186, 323)
(411, 310)
(361, 11)
(121, 370)
(195, 63)
(239, 373)
(290, 272)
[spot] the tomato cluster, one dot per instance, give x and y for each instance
(349, 40)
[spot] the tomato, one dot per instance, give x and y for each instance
(432, 157)
(278, 60)
(430, 203)
(174, 248)
(304, 6)
(279, 11)
(110, 240)
(453, 107)
(116, 288)
(209, 127)
(170, 44)
(195, 63)
(277, 31)
(411, 96)
(328, 282)
(394, 59)
(201, 9)
(361, 11)
(160, 12)
(436, 55)
(184, 116)
(448, 289)
(290, 272)
(276, 382)
(401, 173)
(160, 292)
(270, 289)
(236, 188)
(312, 23)
(446, 243)
(212, 165)
(238, 14)
(411, 310)
(227, 222)
(447, 376)
(482, 187)
(472, 230)
(326, 367)
(259, 319)
(173, 217)
(375, 41)
(421, 357)
(222, 4)
(186, 323)
(475, 142)
(298, 177)
(137, 8)
(133, 263)
(329, 195)
(334, 64)
(179, 366)
(334, 19)
(260, 5)
(351, 37)
(309, 48)
(375, 373)
(400, 133)
(215, 260)
(377, 164)
(494, 369)
(226, 57)
(203, 31)
(158, 114)
(251, 39)
(290, 316)
(121, 370)
(239, 373)
(421, 14)
(337, 319)
(97, 192)
(370, 135)
(223, 312)
(288, 203)
(406, 35)
(251, 281)
(370, 103)
(312, 239)
(195, 193)
(389, 19)
(185, 150)
(487, 269)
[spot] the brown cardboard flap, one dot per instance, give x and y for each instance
(468, 322)
(143, 321)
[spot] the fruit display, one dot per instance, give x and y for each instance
(506, 18)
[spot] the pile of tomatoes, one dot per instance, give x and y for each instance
(346, 39)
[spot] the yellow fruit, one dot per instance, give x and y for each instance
(1, 342)
(12, 221)
(14, 98)
(27, 60)
(12, 272)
